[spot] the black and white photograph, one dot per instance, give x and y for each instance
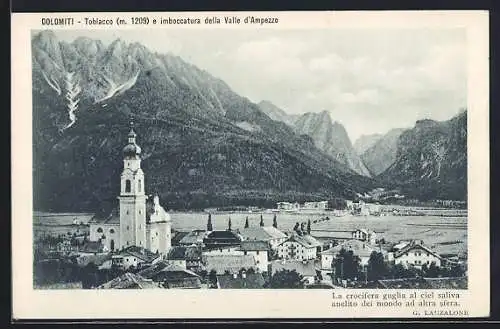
(250, 158)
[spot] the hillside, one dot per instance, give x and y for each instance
(203, 144)
(431, 160)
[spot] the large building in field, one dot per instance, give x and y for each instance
(138, 220)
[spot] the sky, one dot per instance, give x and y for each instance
(370, 80)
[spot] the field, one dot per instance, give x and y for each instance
(445, 234)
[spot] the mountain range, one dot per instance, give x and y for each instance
(203, 144)
(431, 160)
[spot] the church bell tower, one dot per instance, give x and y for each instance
(132, 196)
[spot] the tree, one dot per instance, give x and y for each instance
(346, 265)
(337, 203)
(209, 223)
(261, 221)
(246, 222)
(399, 271)
(308, 226)
(302, 227)
(229, 224)
(296, 227)
(275, 222)
(286, 279)
(212, 279)
(432, 271)
(456, 270)
(377, 268)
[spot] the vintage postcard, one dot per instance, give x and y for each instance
(250, 165)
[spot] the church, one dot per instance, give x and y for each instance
(139, 220)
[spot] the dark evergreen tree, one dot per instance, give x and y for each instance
(212, 279)
(261, 220)
(308, 226)
(432, 271)
(296, 227)
(286, 279)
(346, 265)
(209, 223)
(275, 222)
(229, 224)
(246, 222)
(377, 268)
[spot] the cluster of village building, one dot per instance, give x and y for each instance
(137, 238)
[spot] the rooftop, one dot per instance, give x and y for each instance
(307, 241)
(139, 252)
(178, 236)
(231, 263)
(254, 245)
(262, 233)
(184, 253)
(414, 244)
(129, 281)
(250, 281)
(359, 248)
(193, 237)
(165, 270)
(301, 267)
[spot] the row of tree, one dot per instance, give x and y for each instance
(229, 223)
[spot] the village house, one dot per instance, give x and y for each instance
(315, 205)
(241, 280)
(306, 269)
(417, 254)
(136, 257)
(171, 276)
(221, 240)
(96, 259)
(359, 248)
(259, 250)
(129, 281)
(229, 263)
(187, 257)
(299, 247)
(194, 237)
(177, 236)
(288, 206)
(268, 234)
(365, 235)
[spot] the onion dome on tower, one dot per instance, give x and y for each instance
(132, 149)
